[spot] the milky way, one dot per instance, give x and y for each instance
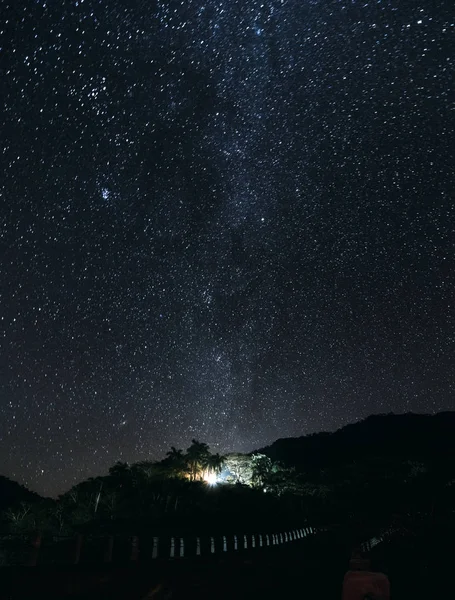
(230, 220)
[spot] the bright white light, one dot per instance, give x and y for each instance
(210, 478)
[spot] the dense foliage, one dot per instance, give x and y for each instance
(384, 469)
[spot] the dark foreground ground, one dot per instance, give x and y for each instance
(311, 568)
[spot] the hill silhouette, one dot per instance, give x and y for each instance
(13, 493)
(365, 473)
(419, 437)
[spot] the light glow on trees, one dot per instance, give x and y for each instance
(210, 478)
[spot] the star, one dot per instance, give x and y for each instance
(222, 220)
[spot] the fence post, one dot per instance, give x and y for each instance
(224, 544)
(281, 537)
(198, 546)
(77, 549)
(267, 539)
(235, 542)
(134, 548)
(212, 545)
(182, 548)
(260, 540)
(172, 552)
(286, 536)
(34, 552)
(253, 541)
(245, 542)
(155, 548)
(109, 549)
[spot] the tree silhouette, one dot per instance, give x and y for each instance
(197, 456)
(120, 472)
(262, 469)
(175, 464)
(215, 463)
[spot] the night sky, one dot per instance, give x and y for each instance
(230, 220)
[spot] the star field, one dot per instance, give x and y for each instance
(230, 220)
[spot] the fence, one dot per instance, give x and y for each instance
(387, 534)
(371, 543)
(91, 549)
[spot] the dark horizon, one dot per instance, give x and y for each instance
(226, 220)
(184, 446)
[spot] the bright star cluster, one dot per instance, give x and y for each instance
(224, 219)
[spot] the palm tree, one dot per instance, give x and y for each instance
(174, 453)
(197, 456)
(175, 464)
(215, 464)
(146, 470)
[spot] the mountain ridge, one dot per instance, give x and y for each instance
(410, 435)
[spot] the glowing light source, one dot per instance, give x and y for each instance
(210, 478)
